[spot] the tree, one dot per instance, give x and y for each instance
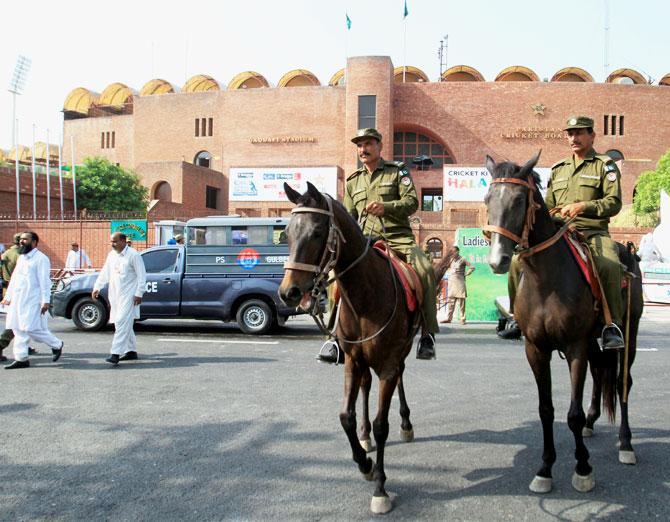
(101, 185)
(649, 186)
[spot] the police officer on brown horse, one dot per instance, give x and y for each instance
(586, 186)
(382, 197)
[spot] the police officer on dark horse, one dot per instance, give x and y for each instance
(382, 197)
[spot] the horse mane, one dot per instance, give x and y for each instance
(508, 169)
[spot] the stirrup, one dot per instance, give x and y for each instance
(601, 342)
(324, 351)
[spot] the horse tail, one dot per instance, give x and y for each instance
(604, 365)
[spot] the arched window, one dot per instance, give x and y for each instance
(203, 159)
(434, 247)
(616, 155)
(407, 145)
(163, 191)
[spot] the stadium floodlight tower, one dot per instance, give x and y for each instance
(16, 86)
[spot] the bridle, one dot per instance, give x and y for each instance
(322, 280)
(525, 249)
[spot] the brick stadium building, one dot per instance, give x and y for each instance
(187, 145)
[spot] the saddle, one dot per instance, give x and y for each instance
(408, 277)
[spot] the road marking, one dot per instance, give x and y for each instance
(647, 349)
(219, 341)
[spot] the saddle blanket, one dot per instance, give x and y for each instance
(584, 264)
(406, 274)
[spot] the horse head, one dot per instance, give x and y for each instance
(309, 241)
(510, 208)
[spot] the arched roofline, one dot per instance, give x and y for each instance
(201, 83)
(239, 79)
(409, 69)
(577, 71)
(80, 100)
(297, 73)
(665, 80)
(336, 78)
(637, 78)
(519, 69)
(464, 69)
(115, 95)
(156, 86)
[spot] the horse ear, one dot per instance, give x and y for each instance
(291, 194)
(490, 164)
(314, 192)
(530, 165)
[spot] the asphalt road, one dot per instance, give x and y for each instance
(213, 425)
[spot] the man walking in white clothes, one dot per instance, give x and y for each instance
(77, 258)
(125, 273)
(28, 297)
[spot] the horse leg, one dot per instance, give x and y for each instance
(364, 437)
(540, 364)
(406, 429)
(594, 408)
(352, 382)
(582, 479)
(381, 503)
(626, 451)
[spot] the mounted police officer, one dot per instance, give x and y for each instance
(382, 193)
(587, 186)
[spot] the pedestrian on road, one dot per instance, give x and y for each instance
(125, 273)
(77, 258)
(28, 297)
(456, 290)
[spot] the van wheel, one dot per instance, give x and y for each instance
(254, 317)
(89, 314)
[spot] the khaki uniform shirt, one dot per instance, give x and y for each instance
(391, 185)
(596, 181)
(9, 259)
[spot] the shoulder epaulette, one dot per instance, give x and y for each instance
(354, 174)
(559, 163)
(398, 164)
(604, 158)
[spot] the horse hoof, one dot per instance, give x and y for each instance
(367, 445)
(407, 435)
(582, 483)
(381, 505)
(587, 432)
(541, 484)
(627, 457)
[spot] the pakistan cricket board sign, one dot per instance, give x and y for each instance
(135, 229)
(483, 285)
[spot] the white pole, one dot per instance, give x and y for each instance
(74, 178)
(404, 51)
(48, 182)
(34, 179)
(16, 164)
(14, 120)
(60, 174)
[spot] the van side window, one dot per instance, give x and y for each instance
(240, 236)
(212, 236)
(279, 235)
(160, 261)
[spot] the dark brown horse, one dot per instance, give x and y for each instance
(374, 327)
(554, 308)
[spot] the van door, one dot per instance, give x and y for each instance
(163, 292)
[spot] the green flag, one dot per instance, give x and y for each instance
(406, 12)
(348, 21)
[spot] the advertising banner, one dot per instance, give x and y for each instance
(472, 183)
(135, 229)
(483, 286)
(267, 183)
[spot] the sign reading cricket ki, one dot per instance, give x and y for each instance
(267, 183)
(472, 183)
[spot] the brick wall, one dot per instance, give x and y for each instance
(8, 194)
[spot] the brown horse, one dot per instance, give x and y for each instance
(554, 308)
(374, 327)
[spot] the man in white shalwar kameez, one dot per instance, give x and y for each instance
(27, 298)
(124, 271)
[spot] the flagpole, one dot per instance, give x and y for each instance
(16, 165)
(404, 42)
(74, 178)
(48, 182)
(34, 180)
(60, 174)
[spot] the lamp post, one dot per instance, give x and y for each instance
(16, 86)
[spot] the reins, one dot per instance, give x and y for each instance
(328, 262)
(529, 221)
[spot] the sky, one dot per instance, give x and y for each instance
(75, 43)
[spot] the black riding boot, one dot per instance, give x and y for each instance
(426, 348)
(511, 332)
(612, 339)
